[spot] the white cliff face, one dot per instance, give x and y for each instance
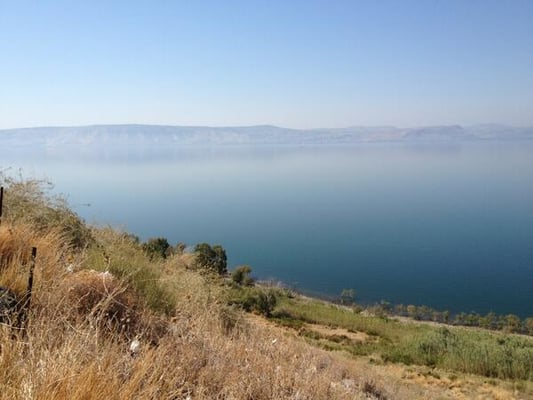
(160, 135)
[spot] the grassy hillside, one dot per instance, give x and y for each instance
(110, 318)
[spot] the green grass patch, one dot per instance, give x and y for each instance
(475, 351)
(328, 314)
(494, 355)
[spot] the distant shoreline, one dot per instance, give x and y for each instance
(168, 135)
(419, 314)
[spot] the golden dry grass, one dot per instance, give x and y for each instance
(201, 363)
(16, 242)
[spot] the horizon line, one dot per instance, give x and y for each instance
(263, 125)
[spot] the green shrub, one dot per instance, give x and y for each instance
(266, 302)
(156, 247)
(257, 299)
(241, 276)
(211, 258)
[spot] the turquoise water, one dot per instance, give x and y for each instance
(449, 226)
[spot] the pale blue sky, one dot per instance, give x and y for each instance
(294, 63)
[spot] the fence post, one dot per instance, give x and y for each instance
(30, 277)
(23, 314)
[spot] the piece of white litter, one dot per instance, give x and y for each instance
(274, 341)
(135, 346)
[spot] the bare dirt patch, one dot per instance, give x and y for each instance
(327, 332)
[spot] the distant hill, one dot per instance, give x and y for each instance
(165, 135)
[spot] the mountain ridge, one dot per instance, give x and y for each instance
(176, 135)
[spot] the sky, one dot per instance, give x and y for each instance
(291, 63)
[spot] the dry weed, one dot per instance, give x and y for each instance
(16, 242)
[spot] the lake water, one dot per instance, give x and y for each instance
(449, 226)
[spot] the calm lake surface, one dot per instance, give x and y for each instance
(446, 225)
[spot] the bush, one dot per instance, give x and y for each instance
(156, 247)
(257, 299)
(266, 302)
(101, 297)
(211, 258)
(347, 296)
(241, 276)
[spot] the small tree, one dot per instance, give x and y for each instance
(212, 258)
(156, 247)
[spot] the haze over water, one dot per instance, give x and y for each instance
(446, 225)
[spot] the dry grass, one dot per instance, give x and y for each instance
(16, 242)
(31, 202)
(203, 364)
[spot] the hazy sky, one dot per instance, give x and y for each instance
(290, 63)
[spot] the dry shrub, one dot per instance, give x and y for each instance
(101, 298)
(105, 302)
